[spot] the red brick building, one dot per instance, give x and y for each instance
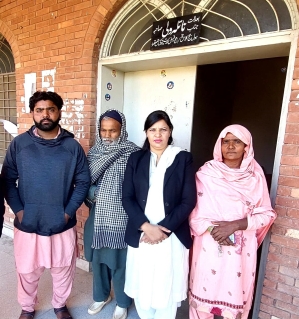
(96, 54)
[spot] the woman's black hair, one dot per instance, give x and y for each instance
(153, 118)
(44, 96)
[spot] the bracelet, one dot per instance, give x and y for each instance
(210, 228)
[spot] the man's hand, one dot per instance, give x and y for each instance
(66, 217)
(20, 214)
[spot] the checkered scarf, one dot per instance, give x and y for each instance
(107, 164)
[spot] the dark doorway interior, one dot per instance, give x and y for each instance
(248, 93)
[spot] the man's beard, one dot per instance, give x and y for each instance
(109, 141)
(47, 127)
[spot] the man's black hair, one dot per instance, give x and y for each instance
(44, 96)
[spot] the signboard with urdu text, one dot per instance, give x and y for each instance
(176, 32)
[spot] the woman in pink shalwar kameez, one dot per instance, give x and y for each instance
(231, 218)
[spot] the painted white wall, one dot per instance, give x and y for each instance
(29, 89)
(147, 91)
(48, 80)
(116, 78)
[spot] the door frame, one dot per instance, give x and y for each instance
(275, 176)
(267, 45)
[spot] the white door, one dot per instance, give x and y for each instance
(170, 90)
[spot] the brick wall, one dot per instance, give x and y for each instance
(281, 286)
(59, 41)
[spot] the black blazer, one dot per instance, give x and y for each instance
(179, 195)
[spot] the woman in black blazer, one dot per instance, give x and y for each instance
(159, 194)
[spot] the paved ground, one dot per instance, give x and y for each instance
(78, 302)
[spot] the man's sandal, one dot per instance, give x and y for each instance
(27, 314)
(62, 313)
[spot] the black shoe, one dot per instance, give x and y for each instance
(27, 314)
(62, 313)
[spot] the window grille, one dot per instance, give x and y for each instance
(7, 63)
(8, 109)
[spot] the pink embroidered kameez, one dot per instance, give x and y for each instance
(222, 277)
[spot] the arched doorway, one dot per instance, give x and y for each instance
(249, 32)
(231, 31)
(8, 109)
(131, 29)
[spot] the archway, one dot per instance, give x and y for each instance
(135, 73)
(8, 110)
(131, 29)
